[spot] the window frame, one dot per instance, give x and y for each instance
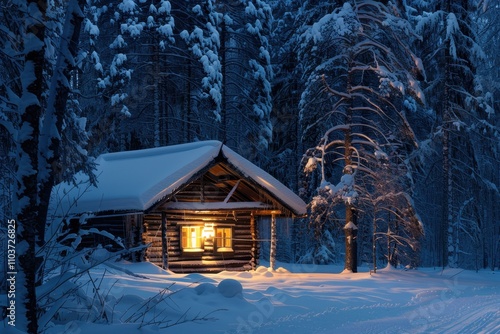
(209, 244)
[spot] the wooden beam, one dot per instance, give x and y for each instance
(215, 206)
(267, 212)
(232, 191)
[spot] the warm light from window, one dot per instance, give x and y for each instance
(191, 237)
(208, 231)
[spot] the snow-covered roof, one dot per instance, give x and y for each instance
(135, 181)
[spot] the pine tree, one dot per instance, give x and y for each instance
(463, 113)
(367, 84)
(247, 74)
(487, 21)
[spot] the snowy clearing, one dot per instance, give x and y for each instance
(298, 299)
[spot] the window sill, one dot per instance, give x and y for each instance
(193, 250)
(224, 250)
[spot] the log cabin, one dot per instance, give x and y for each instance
(195, 205)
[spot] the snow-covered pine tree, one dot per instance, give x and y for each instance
(396, 228)
(291, 18)
(40, 42)
(368, 77)
(465, 122)
(247, 74)
(10, 41)
(123, 38)
(259, 27)
(200, 33)
(203, 72)
(487, 21)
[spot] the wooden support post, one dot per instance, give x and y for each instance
(272, 252)
(253, 231)
(164, 246)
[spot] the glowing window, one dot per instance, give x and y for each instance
(192, 237)
(224, 239)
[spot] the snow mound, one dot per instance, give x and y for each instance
(205, 289)
(245, 274)
(195, 277)
(268, 274)
(230, 288)
(100, 255)
(261, 269)
(130, 299)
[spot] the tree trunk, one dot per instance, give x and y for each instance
(223, 110)
(351, 228)
(447, 229)
(351, 243)
(156, 96)
(374, 242)
(26, 204)
(188, 111)
(39, 147)
(53, 120)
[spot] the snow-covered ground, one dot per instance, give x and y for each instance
(293, 299)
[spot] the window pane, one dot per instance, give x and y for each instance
(191, 236)
(224, 238)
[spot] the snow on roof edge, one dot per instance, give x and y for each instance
(141, 153)
(120, 186)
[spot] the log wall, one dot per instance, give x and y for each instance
(244, 255)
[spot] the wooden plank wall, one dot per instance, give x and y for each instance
(209, 261)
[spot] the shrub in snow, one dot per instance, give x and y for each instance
(230, 288)
(64, 295)
(319, 254)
